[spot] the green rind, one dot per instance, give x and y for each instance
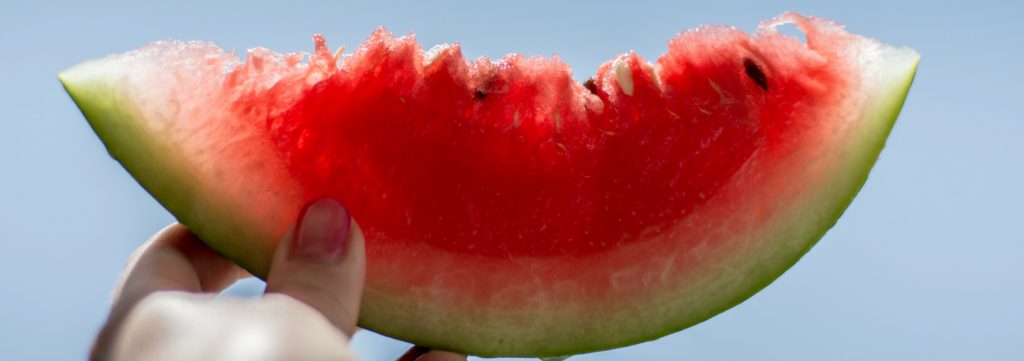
(114, 122)
(159, 168)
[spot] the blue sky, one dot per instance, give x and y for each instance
(928, 262)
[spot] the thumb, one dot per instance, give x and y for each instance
(321, 263)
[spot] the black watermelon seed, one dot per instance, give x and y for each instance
(590, 85)
(754, 73)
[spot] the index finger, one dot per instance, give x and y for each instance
(174, 259)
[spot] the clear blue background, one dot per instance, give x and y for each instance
(928, 262)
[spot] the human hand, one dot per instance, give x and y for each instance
(166, 305)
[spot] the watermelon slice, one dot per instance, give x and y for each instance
(509, 209)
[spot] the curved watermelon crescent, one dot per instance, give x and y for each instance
(665, 301)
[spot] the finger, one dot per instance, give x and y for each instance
(321, 263)
(172, 260)
(191, 326)
(420, 353)
(175, 260)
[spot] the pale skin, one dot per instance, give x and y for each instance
(166, 304)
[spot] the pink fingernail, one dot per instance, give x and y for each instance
(322, 230)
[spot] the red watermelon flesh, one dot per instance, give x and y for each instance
(510, 209)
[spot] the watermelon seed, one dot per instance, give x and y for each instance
(479, 95)
(337, 54)
(590, 85)
(754, 73)
(623, 75)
